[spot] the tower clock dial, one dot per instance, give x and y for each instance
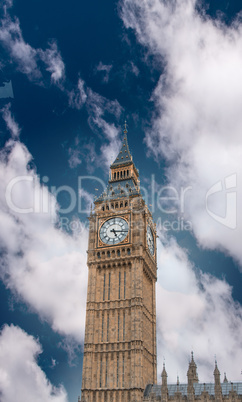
(150, 240)
(114, 230)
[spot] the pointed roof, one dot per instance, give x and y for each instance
(225, 378)
(124, 155)
(216, 370)
(164, 373)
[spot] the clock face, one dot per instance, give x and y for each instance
(150, 240)
(114, 230)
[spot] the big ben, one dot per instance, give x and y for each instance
(120, 333)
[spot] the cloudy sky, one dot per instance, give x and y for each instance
(70, 74)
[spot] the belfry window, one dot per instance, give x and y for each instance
(114, 176)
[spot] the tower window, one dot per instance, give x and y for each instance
(117, 370)
(98, 255)
(124, 327)
(106, 376)
(104, 280)
(107, 207)
(112, 206)
(107, 326)
(100, 380)
(119, 285)
(127, 173)
(114, 175)
(118, 324)
(126, 203)
(108, 254)
(118, 175)
(102, 326)
(121, 205)
(118, 253)
(123, 370)
(128, 251)
(116, 205)
(109, 285)
(103, 208)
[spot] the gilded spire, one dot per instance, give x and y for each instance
(125, 127)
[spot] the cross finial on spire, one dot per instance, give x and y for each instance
(125, 127)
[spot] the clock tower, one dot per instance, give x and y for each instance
(120, 334)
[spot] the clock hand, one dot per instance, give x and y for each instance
(119, 230)
(114, 231)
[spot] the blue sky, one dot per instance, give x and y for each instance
(70, 74)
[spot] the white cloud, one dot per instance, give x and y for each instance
(20, 375)
(197, 121)
(195, 312)
(78, 96)
(54, 63)
(44, 265)
(27, 59)
(10, 122)
(105, 69)
(99, 110)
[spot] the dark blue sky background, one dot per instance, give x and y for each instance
(86, 34)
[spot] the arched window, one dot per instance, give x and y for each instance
(118, 253)
(126, 203)
(116, 205)
(128, 251)
(114, 176)
(108, 254)
(121, 205)
(98, 255)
